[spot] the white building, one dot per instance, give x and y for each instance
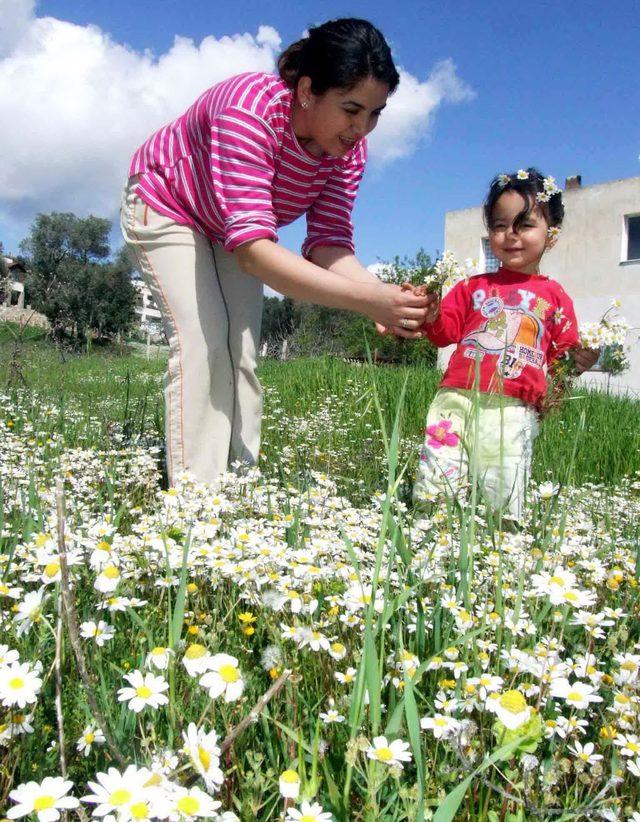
(145, 308)
(596, 259)
(15, 292)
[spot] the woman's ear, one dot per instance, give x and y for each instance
(304, 95)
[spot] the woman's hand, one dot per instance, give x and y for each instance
(399, 311)
(584, 358)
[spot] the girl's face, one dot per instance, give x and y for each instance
(519, 249)
(333, 122)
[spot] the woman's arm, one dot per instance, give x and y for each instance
(341, 261)
(296, 277)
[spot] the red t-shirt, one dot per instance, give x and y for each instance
(514, 324)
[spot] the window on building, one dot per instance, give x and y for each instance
(491, 262)
(632, 224)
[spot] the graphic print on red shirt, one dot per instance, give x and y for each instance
(514, 324)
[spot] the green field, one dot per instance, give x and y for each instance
(423, 668)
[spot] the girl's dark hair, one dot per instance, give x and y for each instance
(338, 54)
(529, 188)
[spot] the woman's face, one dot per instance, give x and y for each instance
(333, 122)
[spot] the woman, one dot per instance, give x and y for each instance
(201, 209)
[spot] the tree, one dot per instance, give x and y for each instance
(71, 280)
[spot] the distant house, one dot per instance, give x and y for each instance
(596, 259)
(145, 308)
(17, 276)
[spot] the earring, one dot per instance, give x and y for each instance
(304, 105)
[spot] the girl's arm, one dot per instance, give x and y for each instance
(448, 326)
(300, 279)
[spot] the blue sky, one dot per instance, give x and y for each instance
(555, 85)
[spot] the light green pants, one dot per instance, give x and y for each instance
(498, 450)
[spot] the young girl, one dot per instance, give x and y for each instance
(509, 326)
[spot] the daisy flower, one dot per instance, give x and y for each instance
(289, 784)
(90, 736)
(577, 694)
(101, 632)
(347, 677)
(29, 611)
(308, 813)
(108, 579)
(158, 657)
(145, 690)
(440, 725)
(510, 707)
(7, 655)
(223, 678)
(196, 659)
(389, 753)
(115, 792)
(204, 753)
(19, 684)
(585, 753)
(331, 716)
(191, 803)
(45, 799)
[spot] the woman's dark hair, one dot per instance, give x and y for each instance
(532, 188)
(338, 54)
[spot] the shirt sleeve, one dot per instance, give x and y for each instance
(242, 152)
(329, 218)
(564, 328)
(448, 328)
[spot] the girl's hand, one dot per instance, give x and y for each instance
(584, 358)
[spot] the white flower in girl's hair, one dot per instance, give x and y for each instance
(549, 189)
(522, 174)
(553, 232)
(503, 180)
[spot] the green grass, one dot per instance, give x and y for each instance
(341, 429)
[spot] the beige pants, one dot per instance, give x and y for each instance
(211, 311)
(498, 450)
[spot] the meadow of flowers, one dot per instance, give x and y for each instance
(298, 644)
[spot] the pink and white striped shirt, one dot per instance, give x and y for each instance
(232, 168)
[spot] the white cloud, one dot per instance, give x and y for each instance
(410, 111)
(76, 104)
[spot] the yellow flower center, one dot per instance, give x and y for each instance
(111, 572)
(119, 797)
(43, 802)
(103, 545)
(89, 738)
(289, 776)
(384, 754)
(195, 651)
(188, 805)
(513, 701)
(557, 580)
(158, 651)
(16, 683)
(51, 570)
(628, 666)
(229, 673)
(308, 818)
(571, 596)
(633, 746)
(139, 810)
(574, 696)
(144, 691)
(205, 757)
